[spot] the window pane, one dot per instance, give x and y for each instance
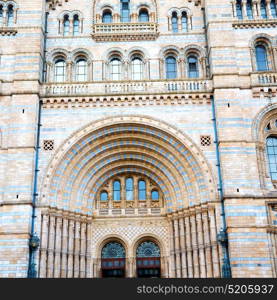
(76, 24)
(261, 57)
(66, 25)
(273, 8)
(174, 22)
(239, 9)
(193, 67)
(129, 189)
(263, 9)
(171, 68)
(184, 22)
(142, 190)
(143, 16)
(1, 15)
(137, 69)
(115, 69)
(104, 196)
(10, 15)
(116, 190)
(81, 70)
(107, 17)
(155, 195)
(60, 71)
(249, 9)
(125, 12)
(271, 144)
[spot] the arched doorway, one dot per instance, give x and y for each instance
(113, 260)
(148, 260)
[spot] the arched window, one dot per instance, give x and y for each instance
(129, 185)
(142, 190)
(1, 15)
(174, 22)
(104, 196)
(116, 190)
(171, 67)
(66, 25)
(261, 58)
(193, 71)
(184, 22)
(271, 145)
(155, 195)
(10, 21)
(143, 15)
(107, 16)
(81, 70)
(263, 9)
(239, 9)
(137, 68)
(249, 9)
(76, 25)
(273, 9)
(115, 68)
(60, 70)
(125, 11)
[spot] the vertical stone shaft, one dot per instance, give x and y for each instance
(43, 247)
(200, 236)
(172, 249)
(51, 245)
(77, 250)
(183, 247)
(188, 246)
(215, 254)
(89, 273)
(57, 260)
(70, 249)
(207, 242)
(194, 245)
(64, 248)
(83, 250)
(177, 248)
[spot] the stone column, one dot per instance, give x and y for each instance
(215, 254)
(188, 245)
(89, 273)
(50, 260)
(243, 8)
(207, 242)
(77, 250)
(254, 8)
(200, 238)
(172, 250)
(43, 247)
(70, 249)
(183, 246)
(259, 8)
(57, 265)
(179, 23)
(64, 247)
(234, 8)
(177, 247)
(194, 245)
(83, 250)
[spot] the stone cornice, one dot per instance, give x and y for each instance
(7, 31)
(255, 24)
(127, 100)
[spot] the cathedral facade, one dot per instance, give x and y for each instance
(138, 138)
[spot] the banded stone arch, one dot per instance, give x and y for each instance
(113, 145)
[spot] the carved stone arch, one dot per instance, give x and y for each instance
(203, 182)
(172, 10)
(13, 3)
(266, 38)
(113, 51)
(139, 50)
(187, 10)
(110, 238)
(267, 115)
(52, 55)
(63, 14)
(77, 12)
(170, 49)
(196, 49)
(81, 52)
(98, 7)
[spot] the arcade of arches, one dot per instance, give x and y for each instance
(136, 199)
